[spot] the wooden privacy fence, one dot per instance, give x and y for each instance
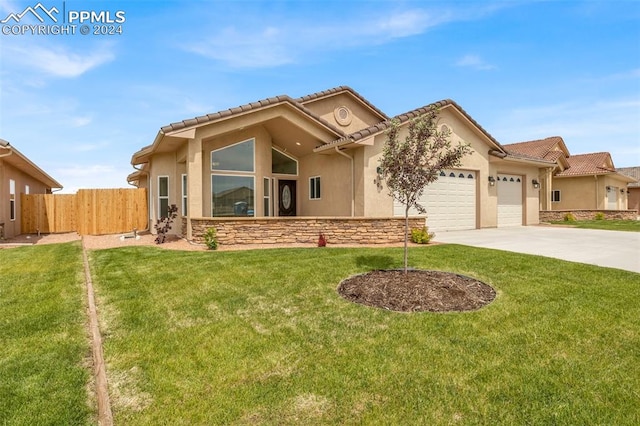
(88, 212)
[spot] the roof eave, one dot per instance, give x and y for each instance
(32, 169)
(532, 161)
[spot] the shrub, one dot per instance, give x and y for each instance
(322, 241)
(211, 239)
(599, 216)
(569, 217)
(421, 235)
(163, 226)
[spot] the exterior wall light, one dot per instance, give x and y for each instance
(492, 181)
(608, 189)
(378, 180)
(622, 191)
(535, 183)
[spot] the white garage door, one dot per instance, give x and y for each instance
(612, 198)
(450, 201)
(509, 200)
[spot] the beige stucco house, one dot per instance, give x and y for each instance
(317, 156)
(633, 188)
(575, 182)
(18, 175)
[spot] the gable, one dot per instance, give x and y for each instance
(343, 108)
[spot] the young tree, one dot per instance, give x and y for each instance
(409, 165)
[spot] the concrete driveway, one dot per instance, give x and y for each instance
(614, 249)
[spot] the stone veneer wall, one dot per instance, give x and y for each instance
(557, 215)
(289, 230)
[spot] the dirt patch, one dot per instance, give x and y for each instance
(417, 291)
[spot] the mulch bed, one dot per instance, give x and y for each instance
(416, 291)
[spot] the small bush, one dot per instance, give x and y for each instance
(569, 217)
(599, 216)
(163, 225)
(211, 239)
(421, 235)
(322, 241)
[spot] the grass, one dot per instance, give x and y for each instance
(261, 337)
(43, 343)
(610, 225)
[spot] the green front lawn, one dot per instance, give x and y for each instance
(610, 225)
(44, 348)
(261, 337)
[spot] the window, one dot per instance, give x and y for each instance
(234, 158)
(314, 188)
(163, 196)
(232, 195)
(12, 199)
(27, 190)
(282, 163)
(555, 196)
(267, 196)
(184, 195)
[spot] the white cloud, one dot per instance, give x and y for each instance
(246, 49)
(288, 42)
(78, 176)
(57, 60)
(608, 125)
(7, 7)
(408, 23)
(81, 121)
(475, 62)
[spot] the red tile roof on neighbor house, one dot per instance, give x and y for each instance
(632, 172)
(595, 163)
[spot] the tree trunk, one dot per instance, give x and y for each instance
(406, 238)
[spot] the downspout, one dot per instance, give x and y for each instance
(353, 186)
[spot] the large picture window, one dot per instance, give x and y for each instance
(234, 158)
(232, 195)
(282, 164)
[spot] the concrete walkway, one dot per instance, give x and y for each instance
(614, 249)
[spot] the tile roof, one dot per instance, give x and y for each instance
(22, 163)
(632, 172)
(594, 163)
(383, 125)
(541, 148)
(204, 119)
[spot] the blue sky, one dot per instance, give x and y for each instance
(80, 105)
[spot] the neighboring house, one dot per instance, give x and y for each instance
(575, 182)
(633, 188)
(318, 155)
(18, 175)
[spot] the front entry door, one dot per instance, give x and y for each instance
(287, 198)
